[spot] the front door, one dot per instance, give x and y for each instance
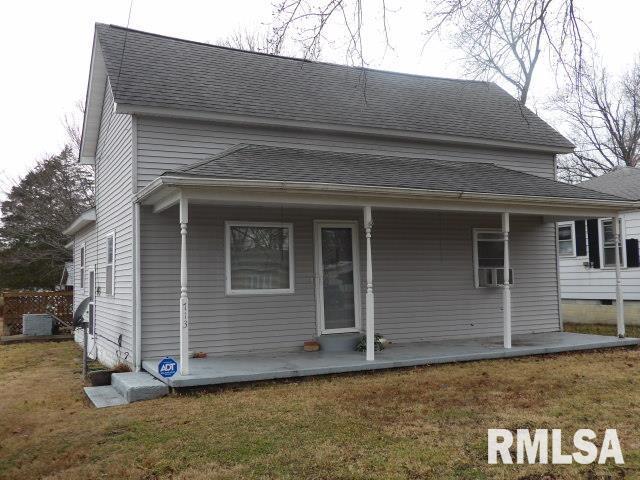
(337, 277)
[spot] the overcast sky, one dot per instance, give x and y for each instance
(46, 46)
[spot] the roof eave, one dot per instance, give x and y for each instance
(83, 220)
(96, 85)
(190, 181)
(185, 114)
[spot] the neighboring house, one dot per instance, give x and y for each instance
(587, 251)
(67, 278)
(247, 202)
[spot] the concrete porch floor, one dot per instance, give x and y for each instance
(247, 368)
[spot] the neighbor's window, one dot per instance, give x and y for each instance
(488, 247)
(82, 260)
(259, 258)
(110, 271)
(608, 242)
(566, 239)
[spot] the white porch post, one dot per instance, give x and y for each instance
(619, 296)
(184, 299)
(506, 287)
(368, 222)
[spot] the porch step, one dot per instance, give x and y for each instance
(105, 396)
(339, 342)
(138, 386)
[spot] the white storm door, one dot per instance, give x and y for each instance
(337, 276)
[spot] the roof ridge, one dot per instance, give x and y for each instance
(298, 59)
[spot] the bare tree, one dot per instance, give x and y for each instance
(603, 114)
(500, 39)
(72, 124)
(252, 41)
(308, 23)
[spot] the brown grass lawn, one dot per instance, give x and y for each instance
(428, 422)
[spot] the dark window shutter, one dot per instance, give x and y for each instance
(593, 240)
(633, 255)
(581, 238)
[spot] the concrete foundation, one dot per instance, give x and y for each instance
(593, 312)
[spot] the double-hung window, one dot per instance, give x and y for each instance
(82, 264)
(110, 262)
(566, 239)
(488, 249)
(608, 243)
(259, 258)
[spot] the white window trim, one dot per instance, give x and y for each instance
(476, 267)
(227, 253)
(83, 265)
(573, 239)
(113, 264)
(623, 259)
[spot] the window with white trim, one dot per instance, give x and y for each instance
(488, 258)
(566, 239)
(110, 264)
(82, 264)
(608, 243)
(259, 258)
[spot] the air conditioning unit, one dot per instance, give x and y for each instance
(493, 277)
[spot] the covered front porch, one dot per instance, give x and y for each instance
(454, 255)
(250, 368)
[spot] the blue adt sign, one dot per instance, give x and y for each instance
(167, 367)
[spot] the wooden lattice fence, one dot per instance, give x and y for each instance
(16, 304)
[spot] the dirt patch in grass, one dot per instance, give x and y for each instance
(427, 422)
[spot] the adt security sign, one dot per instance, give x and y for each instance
(167, 367)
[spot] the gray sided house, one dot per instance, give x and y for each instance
(246, 203)
(587, 264)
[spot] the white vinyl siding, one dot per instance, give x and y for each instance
(114, 215)
(165, 144)
(84, 239)
(579, 282)
(423, 280)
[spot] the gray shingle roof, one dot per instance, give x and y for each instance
(158, 71)
(261, 162)
(622, 182)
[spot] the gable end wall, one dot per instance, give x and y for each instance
(114, 213)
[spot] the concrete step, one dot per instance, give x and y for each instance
(105, 396)
(339, 342)
(138, 386)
